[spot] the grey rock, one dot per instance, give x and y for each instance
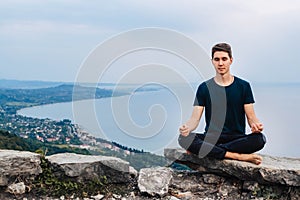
(155, 181)
(133, 171)
(203, 185)
(16, 188)
(98, 197)
(212, 179)
(185, 181)
(22, 164)
(117, 196)
(86, 167)
(273, 170)
(250, 186)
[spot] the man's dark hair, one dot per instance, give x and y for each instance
(221, 47)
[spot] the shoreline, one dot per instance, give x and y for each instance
(274, 125)
(83, 133)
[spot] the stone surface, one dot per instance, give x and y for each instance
(22, 164)
(98, 197)
(86, 167)
(133, 171)
(215, 180)
(212, 179)
(250, 186)
(197, 185)
(16, 188)
(203, 185)
(273, 170)
(154, 181)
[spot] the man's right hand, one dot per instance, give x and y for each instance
(184, 130)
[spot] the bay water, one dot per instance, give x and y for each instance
(149, 120)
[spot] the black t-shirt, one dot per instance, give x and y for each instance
(227, 115)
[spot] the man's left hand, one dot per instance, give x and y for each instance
(257, 127)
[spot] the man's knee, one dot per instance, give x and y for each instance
(182, 141)
(261, 140)
(185, 142)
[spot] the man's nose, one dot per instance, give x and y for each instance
(220, 62)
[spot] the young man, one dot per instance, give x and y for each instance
(226, 100)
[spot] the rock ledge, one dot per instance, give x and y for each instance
(18, 164)
(87, 167)
(273, 170)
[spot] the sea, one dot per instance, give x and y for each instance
(149, 119)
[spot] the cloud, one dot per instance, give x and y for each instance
(21, 27)
(256, 29)
(272, 7)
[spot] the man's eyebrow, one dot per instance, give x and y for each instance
(221, 57)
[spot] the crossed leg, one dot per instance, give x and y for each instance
(240, 147)
(243, 148)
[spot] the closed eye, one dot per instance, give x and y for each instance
(224, 58)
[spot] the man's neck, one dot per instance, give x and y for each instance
(224, 80)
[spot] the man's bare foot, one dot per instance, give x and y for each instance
(252, 158)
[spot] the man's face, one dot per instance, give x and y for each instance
(221, 62)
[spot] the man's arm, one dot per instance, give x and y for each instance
(193, 122)
(254, 123)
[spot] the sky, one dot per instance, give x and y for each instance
(50, 39)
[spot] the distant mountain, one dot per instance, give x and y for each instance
(17, 84)
(15, 95)
(12, 100)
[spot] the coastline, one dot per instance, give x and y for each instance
(88, 138)
(274, 126)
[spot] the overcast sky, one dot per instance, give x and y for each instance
(49, 39)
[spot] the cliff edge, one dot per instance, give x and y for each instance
(273, 170)
(26, 175)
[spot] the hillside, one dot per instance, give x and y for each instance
(138, 159)
(12, 100)
(50, 136)
(14, 142)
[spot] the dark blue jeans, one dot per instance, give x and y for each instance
(203, 145)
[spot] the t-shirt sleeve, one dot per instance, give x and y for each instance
(248, 95)
(200, 95)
